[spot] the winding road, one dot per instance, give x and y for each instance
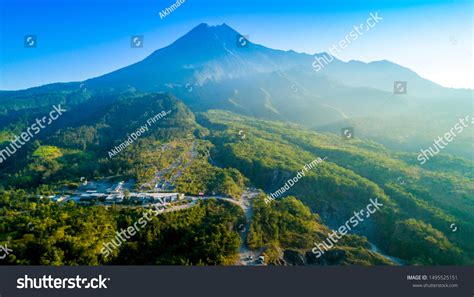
(246, 255)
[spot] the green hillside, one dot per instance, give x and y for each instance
(354, 172)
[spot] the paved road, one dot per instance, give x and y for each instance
(375, 249)
(246, 255)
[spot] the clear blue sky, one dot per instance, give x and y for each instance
(80, 39)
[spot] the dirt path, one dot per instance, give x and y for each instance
(247, 256)
(159, 175)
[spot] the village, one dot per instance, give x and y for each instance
(108, 194)
(102, 193)
(158, 191)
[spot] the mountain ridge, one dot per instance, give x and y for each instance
(207, 69)
(226, 33)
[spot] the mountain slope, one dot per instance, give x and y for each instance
(414, 198)
(207, 69)
(86, 133)
(211, 53)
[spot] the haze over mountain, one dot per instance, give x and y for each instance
(210, 53)
(258, 77)
(207, 69)
(199, 147)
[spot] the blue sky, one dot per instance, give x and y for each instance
(80, 39)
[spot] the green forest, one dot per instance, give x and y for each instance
(42, 233)
(213, 158)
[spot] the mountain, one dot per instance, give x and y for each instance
(205, 54)
(212, 54)
(241, 117)
(85, 134)
(207, 69)
(414, 222)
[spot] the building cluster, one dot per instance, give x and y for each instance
(116, 195)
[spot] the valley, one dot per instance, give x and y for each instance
(240, 122)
